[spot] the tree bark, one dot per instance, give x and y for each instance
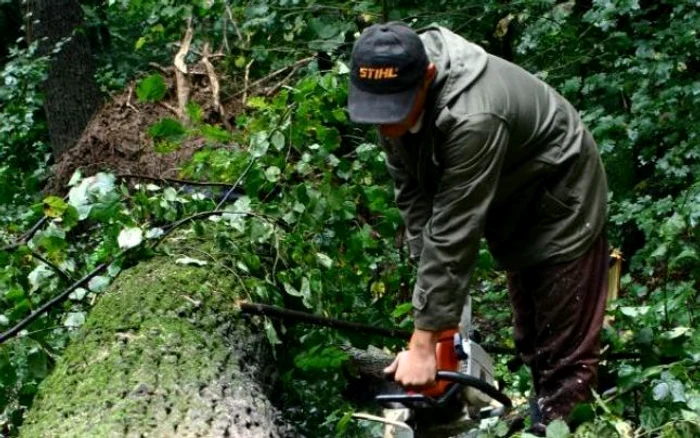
(72, 96)
(163, 353)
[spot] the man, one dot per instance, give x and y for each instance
(478, 147)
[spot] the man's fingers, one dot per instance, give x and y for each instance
(391, 369)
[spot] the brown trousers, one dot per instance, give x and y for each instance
(558, 315)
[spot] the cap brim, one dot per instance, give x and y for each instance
(380, 109)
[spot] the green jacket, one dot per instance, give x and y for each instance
(500, 155)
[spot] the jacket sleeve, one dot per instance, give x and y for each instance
(472, 158)
(414, 205)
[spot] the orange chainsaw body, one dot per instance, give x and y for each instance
(447, 360)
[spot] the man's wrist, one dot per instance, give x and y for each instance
(424, 340)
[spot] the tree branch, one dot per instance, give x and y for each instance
(296, 316)
(26, 236)
(174, 180)
(49, 304)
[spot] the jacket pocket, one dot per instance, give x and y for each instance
(420, 298)
(552, 208)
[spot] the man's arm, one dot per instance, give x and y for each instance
(472, 160)
(473, 157)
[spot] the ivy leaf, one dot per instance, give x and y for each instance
(634, 312)
(74, 319)
(151, 89)
(98, 283)
(130, 238)
(75, 178)
(324, 260)
(259, 144)
(190, 261)
(677, 391)
(271, 333)
(277, 140)
(54, 206)
(306, 293)
(272, 173)
(291, 290)
(676, 332)
(661, 391)
(154, 233)
(78, 294)
(39, 275)
(558, 429)
(401, 310)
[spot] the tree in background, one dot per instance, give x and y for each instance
(72, 95)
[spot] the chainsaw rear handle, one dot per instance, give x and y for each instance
(458, 381)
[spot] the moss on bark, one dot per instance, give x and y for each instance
(163, 353)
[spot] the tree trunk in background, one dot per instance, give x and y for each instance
(164, 353)
(72, 95)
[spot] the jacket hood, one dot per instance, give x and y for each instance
(458, 62)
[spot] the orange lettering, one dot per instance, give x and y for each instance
(378, 73)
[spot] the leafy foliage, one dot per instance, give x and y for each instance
(316, 227)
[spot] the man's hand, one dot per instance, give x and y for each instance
(418, 366)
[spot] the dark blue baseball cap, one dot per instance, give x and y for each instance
(388, 65)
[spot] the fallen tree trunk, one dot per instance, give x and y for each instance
(163, 353)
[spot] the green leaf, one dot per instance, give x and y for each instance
(215, 134)
(401, 310)
(272, 173)
(324, 260)
(54, 206)
(70, 217)
(37, 364)
(39, 276)
(98, 283)
(151, 89)
(74, 319)
(661, 391)
(277, 140)
(291, 290)
(558, 429)
(306, 293)
(75, 178)
(130, 238)
(634, 312)
(140, 43)
(256, 102)
(194, 112)
(271, 333)
(259, 144)
(676, 332)
(677, 391)
(688, 254)
(167, 129)
(342, 425)
(190, 261)
(78, 294)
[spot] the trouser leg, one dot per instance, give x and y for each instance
(558, 315)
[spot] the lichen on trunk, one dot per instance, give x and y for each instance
(163, 353)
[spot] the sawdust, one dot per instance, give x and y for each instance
(117, 140)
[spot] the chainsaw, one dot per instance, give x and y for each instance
(463, 399)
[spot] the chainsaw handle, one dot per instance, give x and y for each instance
(473, 382)
(458, 380)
